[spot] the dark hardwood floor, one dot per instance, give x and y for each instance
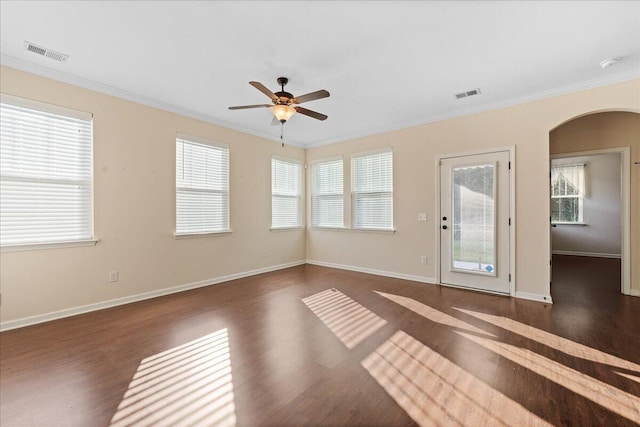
(316, 346)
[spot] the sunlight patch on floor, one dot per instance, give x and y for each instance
(431, 313)
(350, 321)
(628, 376)
(564, 345)
(605, 395)
(188, 385)
(436, 392)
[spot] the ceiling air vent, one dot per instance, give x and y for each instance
(43, 51)
(468, 93)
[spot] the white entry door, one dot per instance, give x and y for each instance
(474, 221)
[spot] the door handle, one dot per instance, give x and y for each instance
(444, 227)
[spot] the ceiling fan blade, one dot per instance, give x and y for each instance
(243, 107)
(264, 90)
(310, 113)
(311, 96)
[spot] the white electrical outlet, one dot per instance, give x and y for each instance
(423, 259)
(113, 276)
(422, 216)
(264, 253)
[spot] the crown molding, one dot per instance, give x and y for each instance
(53, 74)
(536, 96)
(50, 73)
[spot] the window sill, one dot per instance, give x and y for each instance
(286, 228)
(374, 230)
(581, 224)
(321, 228)
(180, 236)
(359, 230)
(41, 246)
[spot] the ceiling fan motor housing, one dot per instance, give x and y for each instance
(284, 98)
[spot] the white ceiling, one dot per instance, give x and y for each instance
(387, 65)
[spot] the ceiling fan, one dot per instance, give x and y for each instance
(283, 102)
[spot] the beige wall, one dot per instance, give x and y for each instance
(608, 130)
(134, 167)
(525, 126)
(134, 149)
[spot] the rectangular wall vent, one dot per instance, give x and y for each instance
(43, 51)
(468, 93)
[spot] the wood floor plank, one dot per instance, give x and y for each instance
(299, 355)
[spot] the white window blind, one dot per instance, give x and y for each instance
(202, 186)
(46, 173)
(372, 190)
(327, 194)
(286, 193)
(567, 193)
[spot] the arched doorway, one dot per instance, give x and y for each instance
(596, 143)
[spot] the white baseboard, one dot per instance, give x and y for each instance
(32, 320)
(591, 254)
(392, 274)
(524, 295)
(534, 297)
(634, 292)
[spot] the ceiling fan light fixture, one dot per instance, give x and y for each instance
(283, 112)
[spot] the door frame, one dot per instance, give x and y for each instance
(512, 212)
(625, 205)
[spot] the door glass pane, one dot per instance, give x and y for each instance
(474, 219)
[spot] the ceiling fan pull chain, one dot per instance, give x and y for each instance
(282, 133)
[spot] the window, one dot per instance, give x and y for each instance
(567, 192)
(326, 194)
(286, 193)
(372, 190)
(46, 174)
(202, 186)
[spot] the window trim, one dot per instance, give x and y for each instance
(181, 236)
(6, 98)
(42, 246)
(195, 234)
(300, 197)
(45, 107)
(286, 228)
(357, 230)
